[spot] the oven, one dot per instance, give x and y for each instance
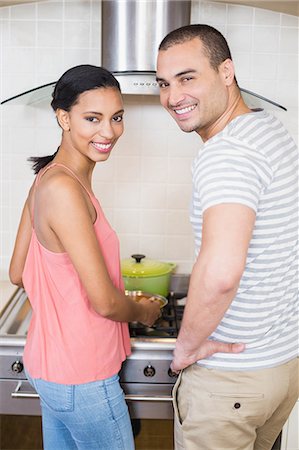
(145, 376)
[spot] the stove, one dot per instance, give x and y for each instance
(145, 376)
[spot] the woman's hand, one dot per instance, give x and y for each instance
(152, 310)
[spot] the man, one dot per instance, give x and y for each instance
(243, 286)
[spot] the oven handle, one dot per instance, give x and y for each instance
(145, 398)
(17, 394)
(130, 398)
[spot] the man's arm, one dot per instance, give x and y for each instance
(226, 233)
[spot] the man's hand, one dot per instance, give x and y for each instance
(207, 348)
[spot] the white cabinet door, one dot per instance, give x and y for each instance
(290, 432)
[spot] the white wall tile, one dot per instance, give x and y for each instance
(153, 196)
(22, 34)
(154, 169)
(106, 171)
(265, 17)
(127, 221)
(26, 11)
(240, 38)
(289, 40)
(25, 58)
(179, 247)
(50, 10)
(127, 168)
(265, 39)
(179, 170)
(178, 196)
(49, 34)
(264, 67)
(76, 35)
(239, 15)
(153, 222)
(178, 222)
(243, 64)
(289, 21)
(74, 56)
(127, 195)
(287, 68)
(4, 12)
(212, 13)
(145, 186)
(74, 10)
(49, 60)
(152, 246)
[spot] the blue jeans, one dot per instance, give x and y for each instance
(84, 416)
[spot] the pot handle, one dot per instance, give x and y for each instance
(172, 265)
(138, 257)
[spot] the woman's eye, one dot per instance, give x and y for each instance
(117, 119)
(91, 119)
(187, 79)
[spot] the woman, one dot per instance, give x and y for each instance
(67, 258)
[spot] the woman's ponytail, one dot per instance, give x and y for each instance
(41, 161)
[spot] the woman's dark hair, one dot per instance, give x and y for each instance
(70, 85)
(214, 43)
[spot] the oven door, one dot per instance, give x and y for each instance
(18, 398)
(149, 400)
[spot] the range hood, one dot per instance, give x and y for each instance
(131, 33)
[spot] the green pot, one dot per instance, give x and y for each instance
(148, 275)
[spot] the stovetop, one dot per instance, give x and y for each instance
(15, 320)
(169, 323)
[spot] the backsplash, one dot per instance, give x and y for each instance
(145, 186)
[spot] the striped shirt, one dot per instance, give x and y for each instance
(253, 162)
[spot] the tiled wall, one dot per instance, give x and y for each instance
(145, 186)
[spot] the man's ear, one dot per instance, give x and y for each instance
(228, 71)
(63, 119)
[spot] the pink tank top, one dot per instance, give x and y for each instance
(68, 342)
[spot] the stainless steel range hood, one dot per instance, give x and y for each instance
(131, 33)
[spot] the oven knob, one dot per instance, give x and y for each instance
(17, 367)
(149, 371)
(171, 373)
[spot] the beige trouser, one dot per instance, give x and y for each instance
(225, 410)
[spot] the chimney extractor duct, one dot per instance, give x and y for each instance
(131, 33)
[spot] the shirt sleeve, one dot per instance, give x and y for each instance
(230, 173)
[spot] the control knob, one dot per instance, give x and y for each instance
(171, 373)
(17, 367)
(149, 371)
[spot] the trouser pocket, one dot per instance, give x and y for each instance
(57, 397)
(175, 397)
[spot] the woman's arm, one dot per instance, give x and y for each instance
(68, 216)
(21, 247)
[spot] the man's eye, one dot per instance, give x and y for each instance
(187, 79)
(163, 85)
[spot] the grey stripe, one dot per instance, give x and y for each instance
(256, 150)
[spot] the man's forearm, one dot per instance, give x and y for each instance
(204, 310)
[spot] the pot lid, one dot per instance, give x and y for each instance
(139, 266)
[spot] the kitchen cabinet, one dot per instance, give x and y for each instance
(15, 2)
(286, 7)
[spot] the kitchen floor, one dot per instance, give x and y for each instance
(24, 433)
